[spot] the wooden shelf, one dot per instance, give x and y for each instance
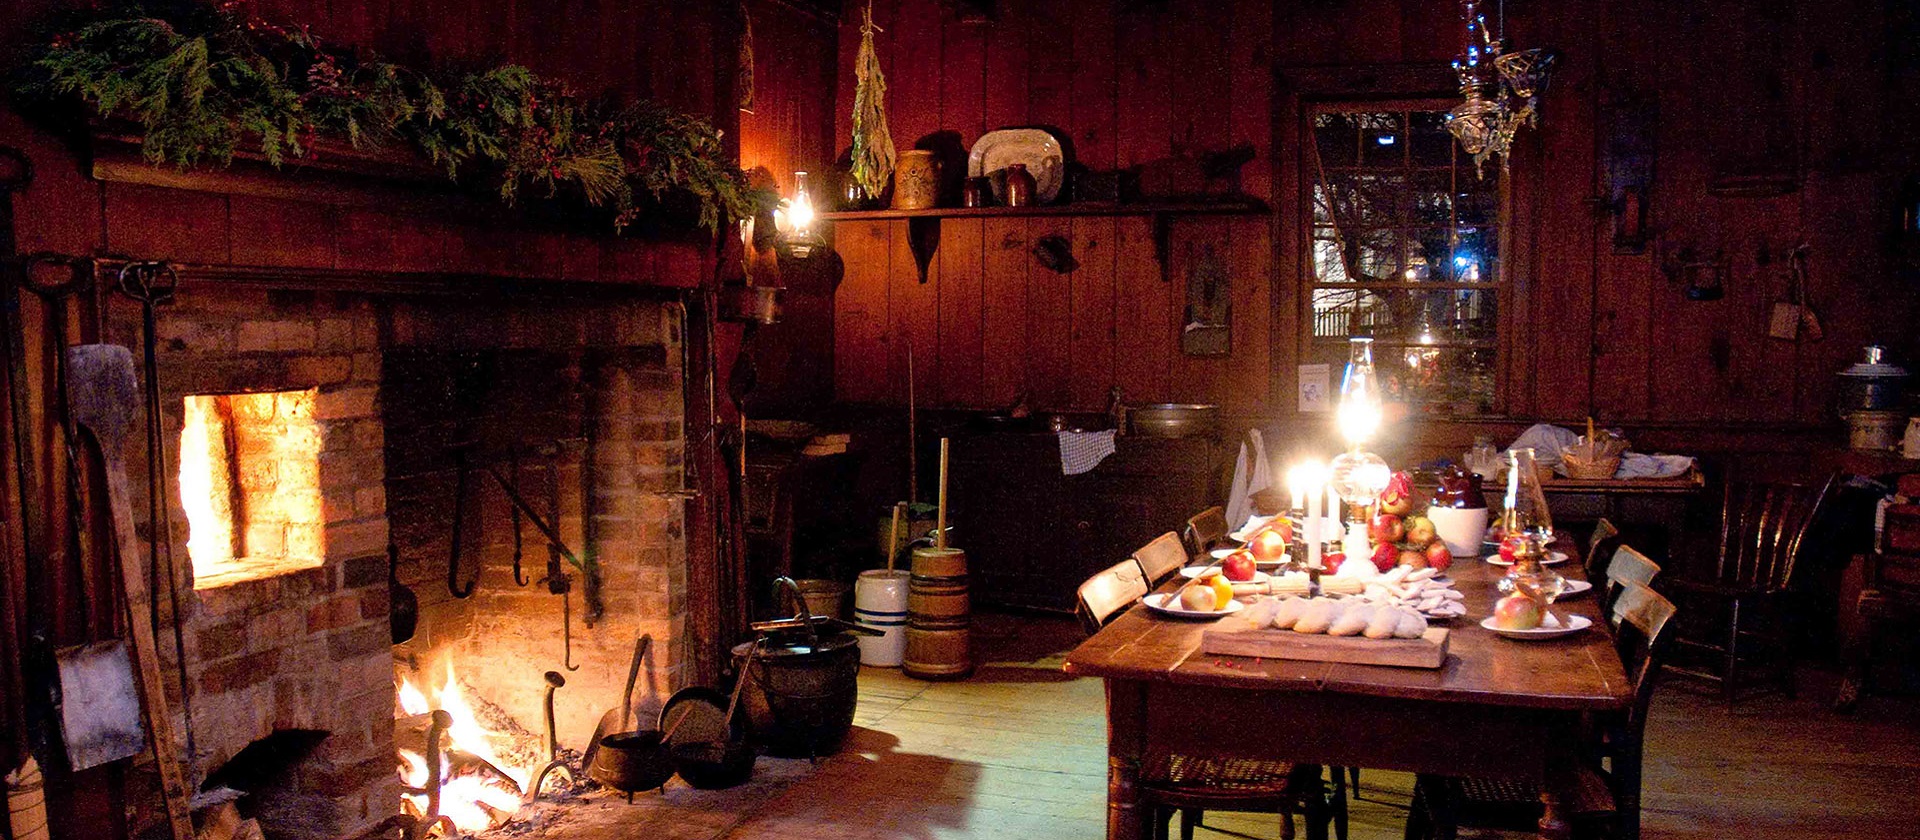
(1186, 208)
(923, 226)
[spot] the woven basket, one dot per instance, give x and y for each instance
(1589, 460)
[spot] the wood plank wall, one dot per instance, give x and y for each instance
(1826, 90)
(991, 324)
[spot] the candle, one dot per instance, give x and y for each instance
(1297, 486)
(1315, 496)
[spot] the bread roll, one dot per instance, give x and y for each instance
(1289, 612)
(1383, 622)
(1352, 620)
(1261, 613)
(1317, 617)
(1411, 625)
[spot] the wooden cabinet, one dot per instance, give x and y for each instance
(1033, 534)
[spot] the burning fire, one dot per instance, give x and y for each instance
(475, 798)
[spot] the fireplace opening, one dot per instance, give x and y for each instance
(250, 485)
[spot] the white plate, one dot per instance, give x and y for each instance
(1158, 603)
(1192, 572)
(1552, 558)
(1038, 149)
(1570, 625)
(1572, 587)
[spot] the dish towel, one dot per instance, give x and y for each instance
(1250, 476)
(1636, 465)
(1082, 451)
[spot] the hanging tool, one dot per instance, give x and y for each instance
(519, 546)
(558, 582)
(454, 586)
(34, 658)
(153, 284)
(103, 388)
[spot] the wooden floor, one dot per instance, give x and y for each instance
(1019, 751)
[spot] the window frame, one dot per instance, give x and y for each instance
(1305, 284)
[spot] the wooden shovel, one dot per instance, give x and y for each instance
(101, 396)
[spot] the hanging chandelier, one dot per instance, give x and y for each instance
(1501, 90)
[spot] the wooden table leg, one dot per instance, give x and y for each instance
(1559, 776)
(1127, 818)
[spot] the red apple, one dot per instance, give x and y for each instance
(1517, 612)
(1397, 498)
(1333, 560)
(1412, 558)
(1438, 556)
(1386, 528)
(1510, 548)
(1238, 566)
(1268, 546)
(1419, 530)
(1283, 526)
(1384, 556)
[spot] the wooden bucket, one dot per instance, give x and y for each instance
(939, 616)
(26, 804)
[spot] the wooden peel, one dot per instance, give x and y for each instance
(101, 397)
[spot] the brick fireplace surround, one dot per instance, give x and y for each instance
(586, 392)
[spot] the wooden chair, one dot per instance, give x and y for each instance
(1194, 784)
(1109, 593)
(1206, 529)
(1761, 529)
(1162, 557)
(1600, 546)
(1603, 794)
(1627, 566)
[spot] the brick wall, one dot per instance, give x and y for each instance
(585, 399)
(586, 396)
(305, 648)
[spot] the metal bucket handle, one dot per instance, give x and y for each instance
(784, 584)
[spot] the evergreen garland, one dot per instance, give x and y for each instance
(202, 80)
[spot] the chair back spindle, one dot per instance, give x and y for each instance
(1762, 527)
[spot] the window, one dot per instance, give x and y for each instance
(1405, 248)
(250, 485)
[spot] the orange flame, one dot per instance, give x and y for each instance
(470, 800)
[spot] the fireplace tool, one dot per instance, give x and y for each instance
(441, 722)
(558, 581)
(636, 760)
(454, 586)
(554, 682)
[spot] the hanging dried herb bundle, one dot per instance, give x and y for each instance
(202, 80)
(872, 143)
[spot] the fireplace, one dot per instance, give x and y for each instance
(311, 430)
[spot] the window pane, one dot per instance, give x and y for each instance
(1397, 207)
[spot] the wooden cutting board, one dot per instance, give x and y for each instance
(1235, 638)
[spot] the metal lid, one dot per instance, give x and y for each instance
(1873, 365)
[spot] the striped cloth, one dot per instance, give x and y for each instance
(1082, 451)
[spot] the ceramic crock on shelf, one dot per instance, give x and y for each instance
(916, 180)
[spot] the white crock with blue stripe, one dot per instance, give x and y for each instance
(880, 602)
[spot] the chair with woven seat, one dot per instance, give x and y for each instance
(1193, 784)
(1162, 557)
(1603, 796)
(1207, 530)
(1762, 526)
(1627, 566)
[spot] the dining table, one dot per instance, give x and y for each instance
(1497, 707)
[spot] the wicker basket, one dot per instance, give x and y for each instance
(1593, 459)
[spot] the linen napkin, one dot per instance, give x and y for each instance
(1082, 451)
(1251, 474)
